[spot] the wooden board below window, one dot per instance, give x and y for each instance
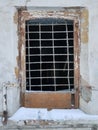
(47, 100)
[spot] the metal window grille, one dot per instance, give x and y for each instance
(49, 55)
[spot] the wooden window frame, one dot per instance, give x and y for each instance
(72, 98)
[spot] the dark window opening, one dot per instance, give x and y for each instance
(49, 55)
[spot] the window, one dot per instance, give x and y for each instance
(49, 55)
(49, 62)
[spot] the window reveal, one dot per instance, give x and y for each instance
(49, 55)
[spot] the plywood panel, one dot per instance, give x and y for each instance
(47, 100)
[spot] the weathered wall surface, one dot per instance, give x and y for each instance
(88, 49)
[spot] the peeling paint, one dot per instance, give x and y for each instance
(84, 36)
(84, 25)
(17, 72)
(16, 69)
(16, 17)
(86, 90)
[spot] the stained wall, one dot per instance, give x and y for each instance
(9, 50)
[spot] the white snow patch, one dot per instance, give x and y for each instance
(54, 114)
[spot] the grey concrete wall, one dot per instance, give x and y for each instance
(88, 50)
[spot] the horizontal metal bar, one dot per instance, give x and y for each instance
(51, 85)
(48, 70)
(50, 62)
(70, 77)
(50, 39)
(49, 54)
(49, 23)
(49, 31)
(51, 47)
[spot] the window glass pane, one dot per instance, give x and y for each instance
(46, 28)
(49, 54)
(59, 28)
(47, 51)
(33, 28)
(46, 43)
(61, 35)
(33, 35)
(46, 35)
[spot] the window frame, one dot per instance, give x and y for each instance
(24, 15)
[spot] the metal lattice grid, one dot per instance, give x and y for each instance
(49, 55)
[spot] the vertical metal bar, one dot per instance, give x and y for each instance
(29, 57)
(40, 57)
(67, 56)
(53, 58)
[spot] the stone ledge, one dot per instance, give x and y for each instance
(59, 127)
(50, 125)
(46, 123)
(71, 119)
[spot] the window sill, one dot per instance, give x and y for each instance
(38, 116)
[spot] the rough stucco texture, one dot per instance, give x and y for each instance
(88, 40)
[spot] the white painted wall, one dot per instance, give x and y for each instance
(9, 44)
